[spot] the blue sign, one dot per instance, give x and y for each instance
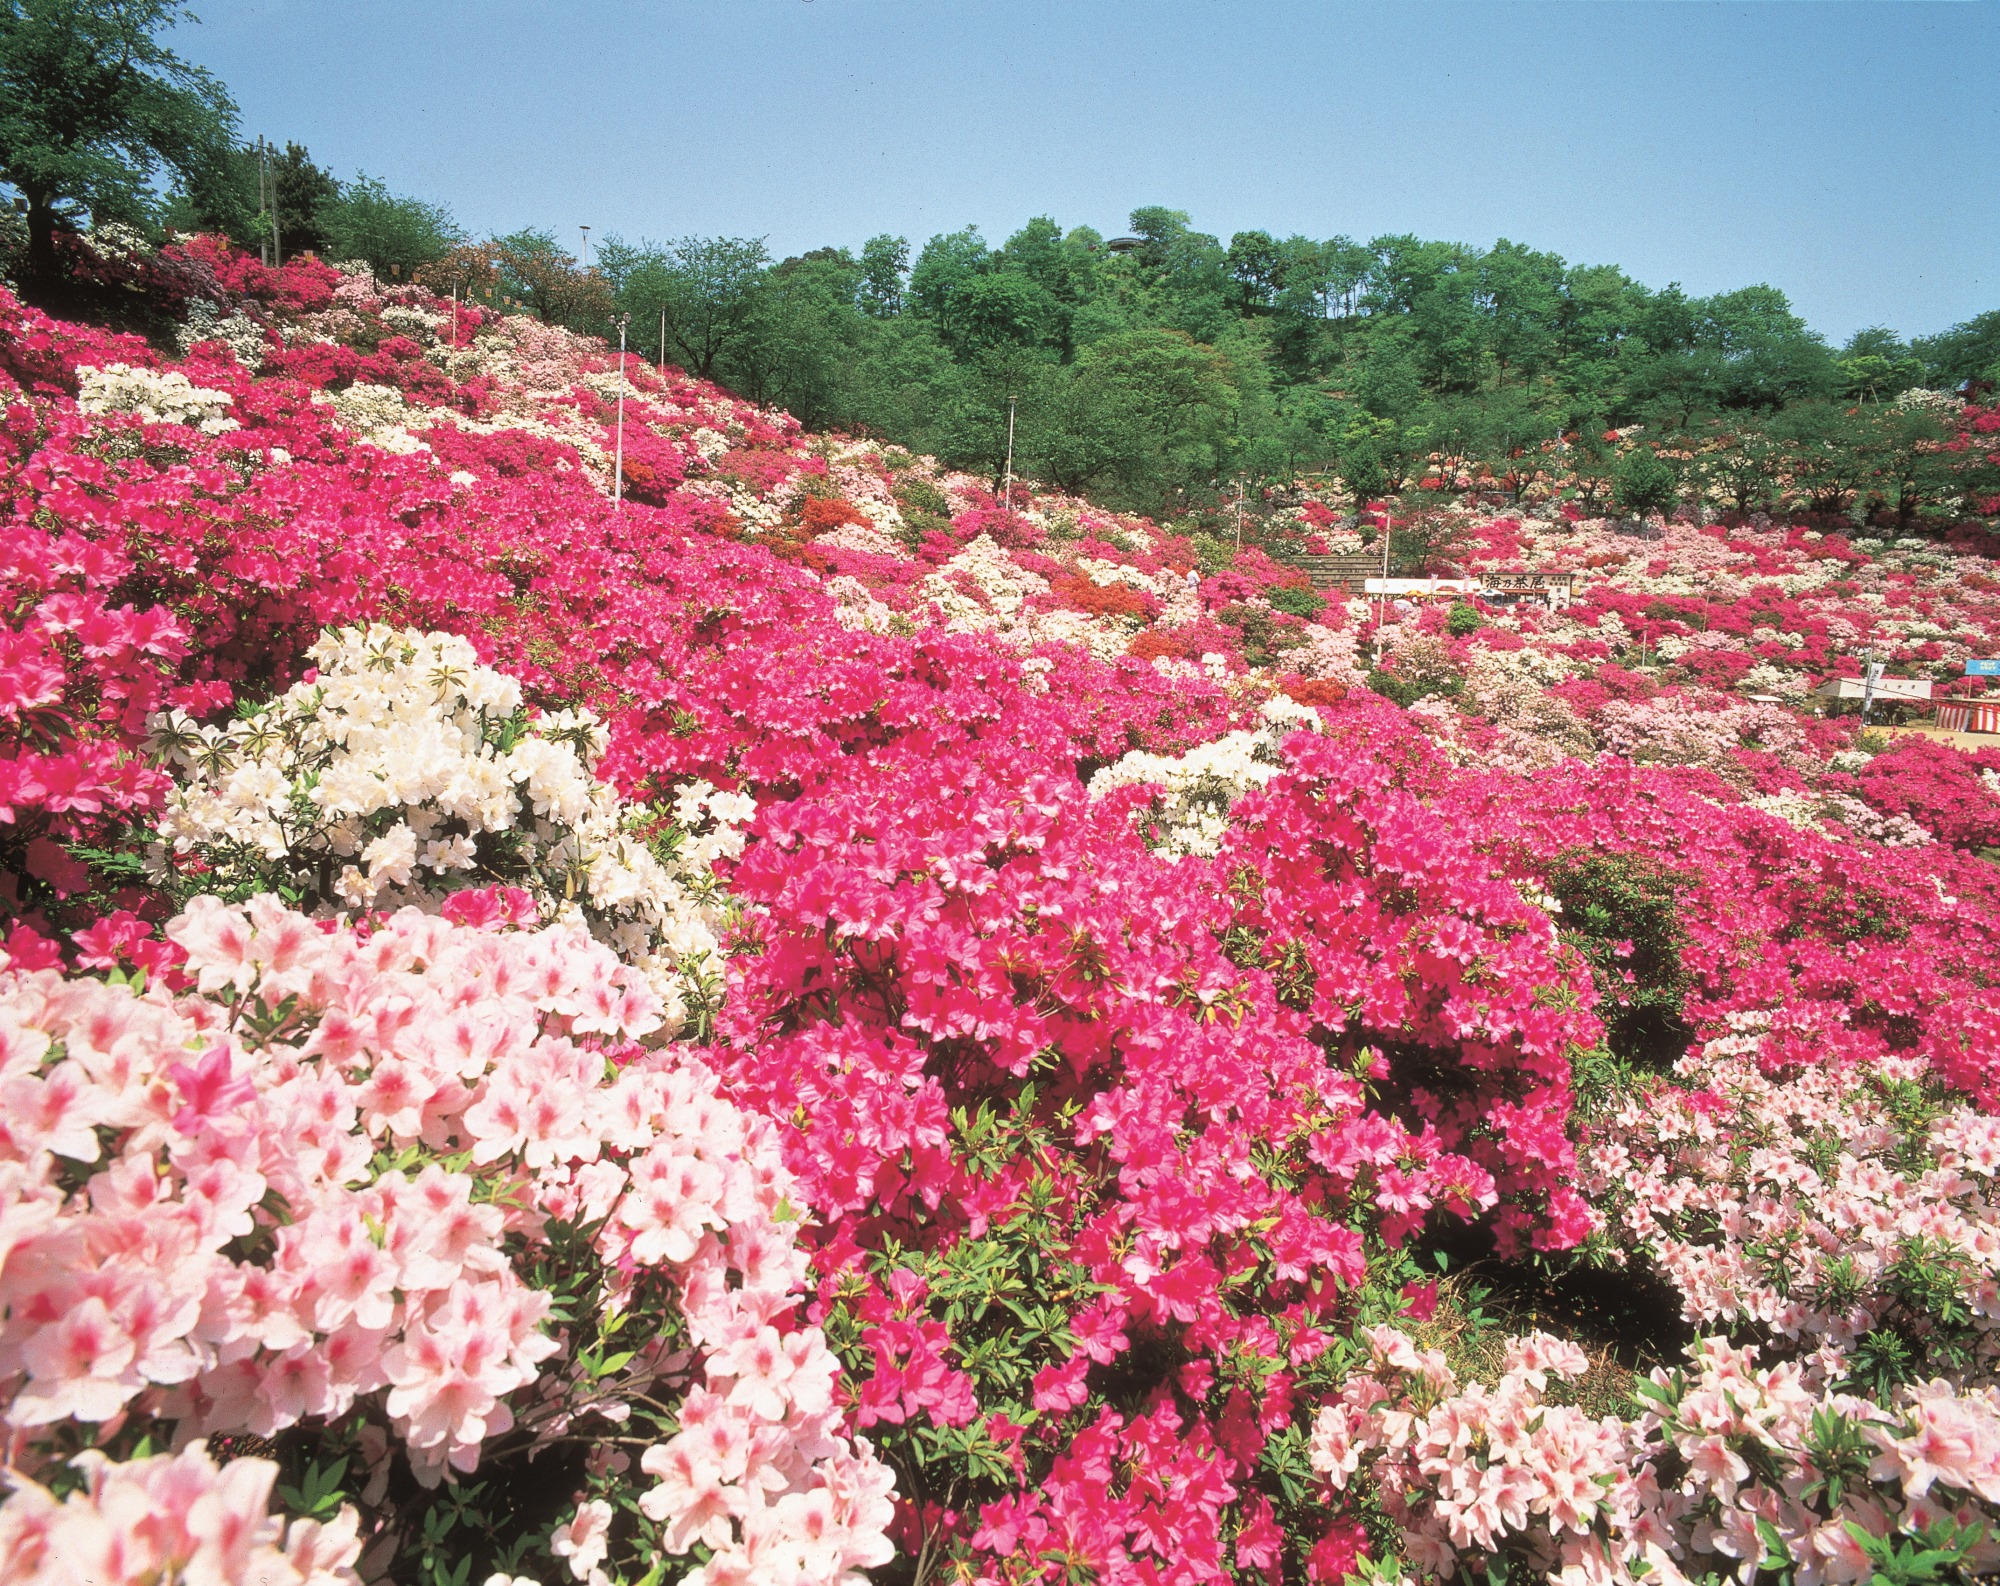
(1982, 668)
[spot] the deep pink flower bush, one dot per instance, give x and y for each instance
(934, 934)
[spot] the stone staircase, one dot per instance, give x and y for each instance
(1339, 572)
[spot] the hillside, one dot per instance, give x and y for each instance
(810, 1020)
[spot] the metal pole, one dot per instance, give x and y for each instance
(584, 263)
(1008, 498)
(1382, 601)
(454, 316)
(663, 344)
(263, 199)
(1239, 512)
(618, 486)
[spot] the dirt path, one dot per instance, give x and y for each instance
(1958, 740)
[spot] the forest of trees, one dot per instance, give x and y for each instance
(1151, 368)
(1160, 365)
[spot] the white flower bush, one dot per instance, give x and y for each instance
(242, 335)
(1190, 812)
(403, 770)
(156, 398)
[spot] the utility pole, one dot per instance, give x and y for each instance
(273, 253)
(618, 486)
(1007, 499)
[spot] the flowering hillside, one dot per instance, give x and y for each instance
(807, 1022)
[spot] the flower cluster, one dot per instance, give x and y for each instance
(170, 1517)
(1190, 811)
(1848, 1212)
(1731, 1467)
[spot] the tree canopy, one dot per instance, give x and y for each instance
(94, 108)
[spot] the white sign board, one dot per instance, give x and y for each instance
(1419, 586)
(1885, 688)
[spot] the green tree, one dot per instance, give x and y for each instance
(1902, 453)
(885, 262)
(805, 330)
(708, 288)
(1146, 414)
(1963, 355)
(93, 107)
(1644, 482)
(946, 263)
(1739, 460)
(1520, 293)
(1362, 469)
(1875, 365)
(300, 195)
(395, 234)
(1819, 451)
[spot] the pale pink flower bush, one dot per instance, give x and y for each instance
(1731, 1469)
(334, 1183)
(1831, 1207)
(169, 1517)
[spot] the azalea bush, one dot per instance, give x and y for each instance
(400, 768)
(419, 1187)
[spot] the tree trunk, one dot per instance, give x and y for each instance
(41, 264)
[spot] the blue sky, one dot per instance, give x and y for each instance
(1844, 152)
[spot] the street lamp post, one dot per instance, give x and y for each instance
(1382, 601)
(618, 474)
(1871, 674)
(1007, 497)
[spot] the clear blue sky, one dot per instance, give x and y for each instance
(1847, 152)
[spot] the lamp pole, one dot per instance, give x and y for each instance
(584, 263)
(1871, 674)
(263, 199)
(1382, 601)
(618, 476)
(1007, 499)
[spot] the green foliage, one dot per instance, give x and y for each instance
(1623, 916)
(396, 235)
(1643, 482)
(1464, 620)
(93, 107)
(1298, 602)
